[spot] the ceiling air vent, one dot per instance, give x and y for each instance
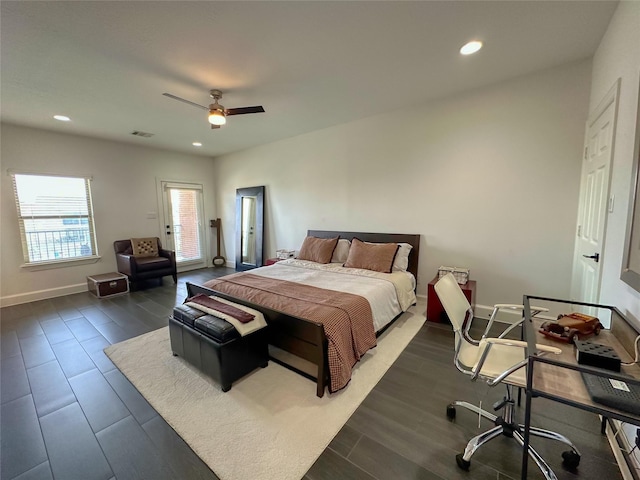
(138, 133)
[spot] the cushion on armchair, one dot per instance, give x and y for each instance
(145, 247)
(146, 264)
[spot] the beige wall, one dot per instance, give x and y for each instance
(618, 56)
(123, 190)
(490, 180)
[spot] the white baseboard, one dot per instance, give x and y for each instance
(42, 294)
(505, 316)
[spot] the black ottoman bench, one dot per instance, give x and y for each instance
(215, 347)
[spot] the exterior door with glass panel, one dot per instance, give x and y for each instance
(184, 224)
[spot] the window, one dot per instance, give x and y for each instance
(55, 217)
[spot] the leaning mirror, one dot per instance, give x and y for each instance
(249, 227)
(631, 260)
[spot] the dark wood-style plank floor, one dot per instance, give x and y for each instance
(68, 413)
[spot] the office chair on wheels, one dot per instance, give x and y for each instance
(496, 360)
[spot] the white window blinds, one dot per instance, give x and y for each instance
(55, 217)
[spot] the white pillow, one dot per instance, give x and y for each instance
(341, 251)
(401, 262)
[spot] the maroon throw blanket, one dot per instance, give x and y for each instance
(221, 307)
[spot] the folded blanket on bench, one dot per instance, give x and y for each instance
(243, 329)
(218, 306)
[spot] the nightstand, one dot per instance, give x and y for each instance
(435, 310)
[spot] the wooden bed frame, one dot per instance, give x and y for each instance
(305, 338)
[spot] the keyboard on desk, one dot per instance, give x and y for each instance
(625, 397)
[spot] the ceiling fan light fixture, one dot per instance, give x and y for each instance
(471, 47)
(217, 113)
(216, 117)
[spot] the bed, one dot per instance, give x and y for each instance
(301, 332)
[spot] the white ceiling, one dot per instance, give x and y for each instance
(311, 64)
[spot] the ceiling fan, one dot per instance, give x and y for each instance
(217, 112)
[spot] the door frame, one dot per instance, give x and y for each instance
(162, 219)
(611, 97)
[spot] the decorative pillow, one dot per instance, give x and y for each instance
(341, 252)
(319, 250)
(371, 256)
(401, 262)
(144, 247)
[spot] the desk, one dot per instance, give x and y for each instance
(557, 377)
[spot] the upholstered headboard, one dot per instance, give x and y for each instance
(411, 239)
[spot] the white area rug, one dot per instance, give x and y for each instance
(270, 425)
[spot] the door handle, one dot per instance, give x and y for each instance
(595, 257)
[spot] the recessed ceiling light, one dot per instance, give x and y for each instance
(196, 144)
(471, 47)
(62, 118)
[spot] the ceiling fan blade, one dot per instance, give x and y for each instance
(185, 101)
(243, 110)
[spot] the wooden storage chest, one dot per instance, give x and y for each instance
(108, 284)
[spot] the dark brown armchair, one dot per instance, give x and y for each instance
(142, 267)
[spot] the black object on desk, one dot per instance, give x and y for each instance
(597, 355)
(613, 393)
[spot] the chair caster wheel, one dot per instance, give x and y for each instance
(462, 463)
(570, 460)
(451, 412)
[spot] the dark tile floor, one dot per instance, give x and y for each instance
(401, 429)
(68, 413)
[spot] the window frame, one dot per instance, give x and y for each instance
(89, 216)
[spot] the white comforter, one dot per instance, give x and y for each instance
(389, 294)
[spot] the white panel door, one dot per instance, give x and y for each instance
(594, 200)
